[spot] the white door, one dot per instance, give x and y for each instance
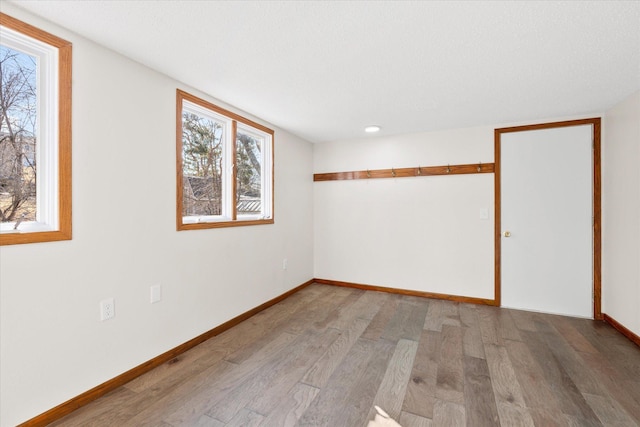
(546, 219)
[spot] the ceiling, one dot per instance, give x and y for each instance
(323, 70)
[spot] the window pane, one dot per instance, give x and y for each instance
(202, 163)
(18, 120)
(225, 173)
(249, 174)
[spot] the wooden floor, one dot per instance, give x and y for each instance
(326, 355)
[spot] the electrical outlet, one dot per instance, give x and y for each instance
(107, 309)
(284, 264)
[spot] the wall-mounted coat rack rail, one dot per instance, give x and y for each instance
(407, 172)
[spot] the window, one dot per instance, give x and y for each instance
(35, 134)
(225, 167)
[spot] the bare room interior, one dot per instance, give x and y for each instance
(319, 213)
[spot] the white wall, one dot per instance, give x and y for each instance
(621, 213)
(53, 345)
(421, 233)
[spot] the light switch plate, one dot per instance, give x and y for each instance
(156, 294)
(484, 213)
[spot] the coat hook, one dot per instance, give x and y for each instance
(368, 174)
(448, 169)
(419, 170)
(393, 172)
(479, 166)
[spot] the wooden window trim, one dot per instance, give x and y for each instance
(234, 170)
(64, 135)
(235, 118)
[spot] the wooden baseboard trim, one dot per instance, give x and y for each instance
(104, 388)
(455, 298)
(622, 329)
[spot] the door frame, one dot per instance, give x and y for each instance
(596, 238)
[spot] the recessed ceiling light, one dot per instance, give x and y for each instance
(372, 129)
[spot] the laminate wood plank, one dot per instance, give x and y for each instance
(246, 331)
(497, 325)
(365, 307)
(187, 402)
(359, 400)
(281, 372)
(627, 357)
(170, 389)
(450, 377)
(87, 415)
(198, 356)
(393, 387)
(489, 326)
(567, 394)
(506, 326)
(331, 318)
(433, 320)
(264, 329)
(379, 322)
(479, 402)
(609, 411)
(472, 337)
(276, 381)
(396, 327)
(515, 416)
(604, 333)
(523, 320)
(543, 417)
(167, 369)
(207, 421)
(330, 359)
(621, 354)
(619, 386)
(416, 300)
(355, 364)
(572, 335)
(572, 363)
(186, 399)
(574, 421)
(570, 382)
(448, 414)
(246, 418)
(536, 391)
(415, 322)
(421, 390)
(450, 314)
(593, 334)
(291, 408)
(318, 310)
(506, 387)
(407, 419)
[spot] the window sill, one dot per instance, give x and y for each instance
(223, 224)
(18, 237)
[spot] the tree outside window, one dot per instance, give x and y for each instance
(224, 167)
(18, 114)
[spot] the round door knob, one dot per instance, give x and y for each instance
(507, 234)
